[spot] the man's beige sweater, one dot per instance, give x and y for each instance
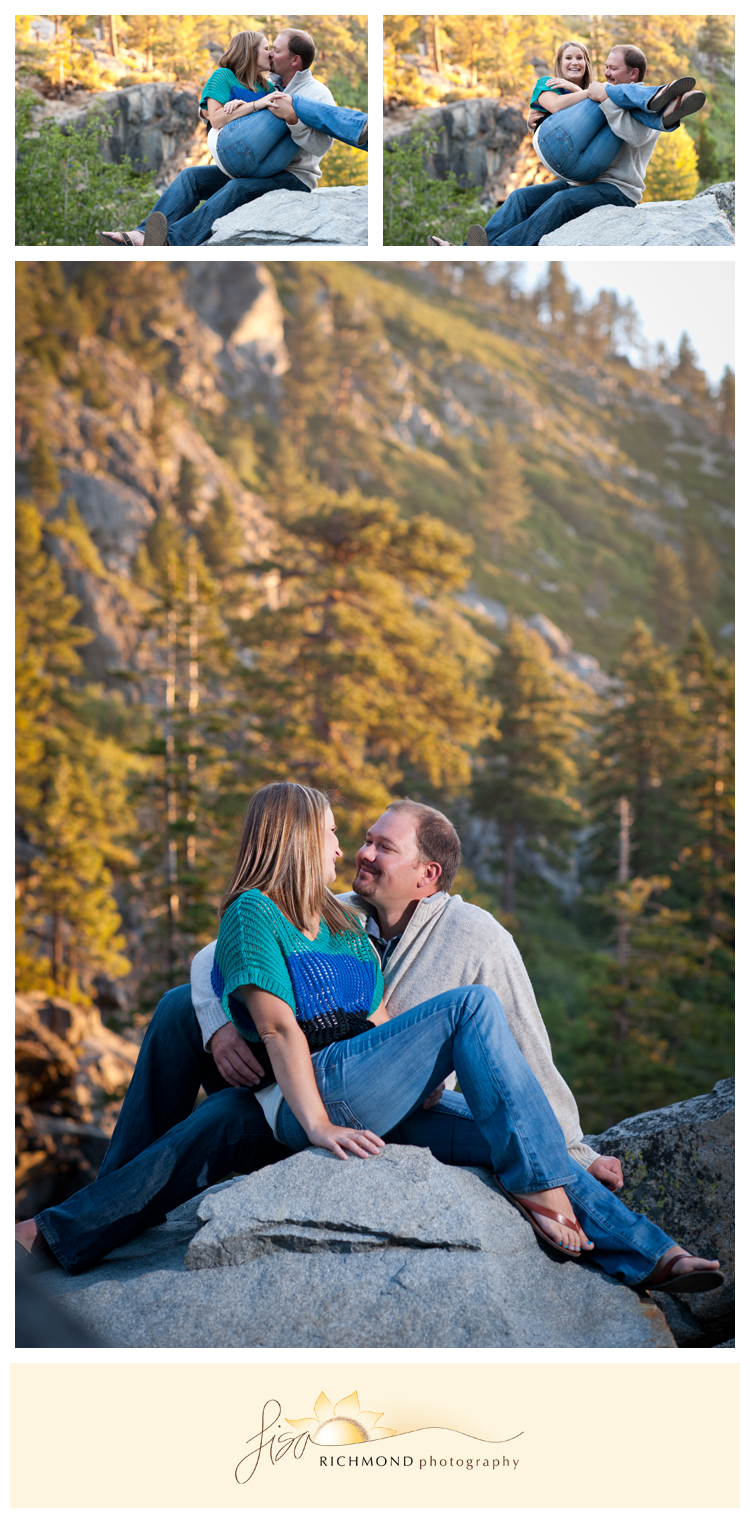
(448, 943)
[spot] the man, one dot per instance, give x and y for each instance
(178, 218)
(529, 213)
(163, 1152)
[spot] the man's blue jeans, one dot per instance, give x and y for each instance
(162, 1152)
(376, 1080)
(188, 225)
(539, 208)
(579, 143)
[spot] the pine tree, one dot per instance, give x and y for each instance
(527, 779)
(220, 535)
(671, 595)
(183, 837)
(702, 568)
(186, 492)
(726, 403)
(506, 502)
(687, 374)
(715, 40)
(71, 798)
(706, 876)
(672, 172)
(365, 676)
(640, 754)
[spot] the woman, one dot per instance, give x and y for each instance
(298, 976)
(582, 146)
(253, 145)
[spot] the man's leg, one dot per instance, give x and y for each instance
(187, 191)
(171, 1068)
(195, 229)
(570, 202)
(227, 1132)
(519, 207)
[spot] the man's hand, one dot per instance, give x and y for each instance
(534, 120)
(232, 105)
(283, 106)
(434, 1097)
(597, 92)
(232, 1057)
(607, 1169)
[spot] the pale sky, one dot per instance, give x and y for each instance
(672, 297)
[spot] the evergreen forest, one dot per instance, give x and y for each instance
(398, 529)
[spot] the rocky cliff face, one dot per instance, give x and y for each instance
(485, 143)
(155, 125)
(72, 1073)
(119, 435)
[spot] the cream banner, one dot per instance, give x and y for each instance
(375, 1436)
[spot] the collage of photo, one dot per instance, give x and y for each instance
(374, 1009)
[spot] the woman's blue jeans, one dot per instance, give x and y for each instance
(260, 145)
(379, 1078)
(579, 143)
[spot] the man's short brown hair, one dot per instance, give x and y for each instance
(632, 57)
(301, 44)
(437, 839)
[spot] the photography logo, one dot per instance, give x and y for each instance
(344, 1423)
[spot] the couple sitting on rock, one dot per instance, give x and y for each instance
(599, 148)
(327, 1020)
(262, 136)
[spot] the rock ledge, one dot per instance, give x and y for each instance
(283, 218)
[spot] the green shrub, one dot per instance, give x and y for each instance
(65, 191)
(415, 206)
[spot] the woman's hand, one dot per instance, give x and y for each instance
(561, 84)
(359, 1141)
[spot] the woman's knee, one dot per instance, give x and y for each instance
(481, 999)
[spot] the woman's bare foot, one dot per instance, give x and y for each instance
(136, 238)
(573, 1238)
(27, 1234)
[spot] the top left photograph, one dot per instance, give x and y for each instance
(191, 131)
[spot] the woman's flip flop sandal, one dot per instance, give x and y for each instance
(110, 241)
(695, 1280)
(526, 1210)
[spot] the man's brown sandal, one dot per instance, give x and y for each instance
(527, 1209)
(661, 1278)
(670, 92)
(156, 231)
(476, 237)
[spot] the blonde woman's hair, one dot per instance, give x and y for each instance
(242, 58)
(588, 77)
(281, 854)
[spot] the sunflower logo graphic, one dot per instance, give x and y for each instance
(346, 1423)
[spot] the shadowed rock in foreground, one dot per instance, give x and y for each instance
(336, 214)
(656, 223)
(315, 1253)
(678, 1164)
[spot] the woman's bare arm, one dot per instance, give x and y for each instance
(555, 103)
(291, 1063)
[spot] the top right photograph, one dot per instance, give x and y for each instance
(561, 131)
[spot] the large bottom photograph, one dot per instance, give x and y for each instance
(375, 807)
